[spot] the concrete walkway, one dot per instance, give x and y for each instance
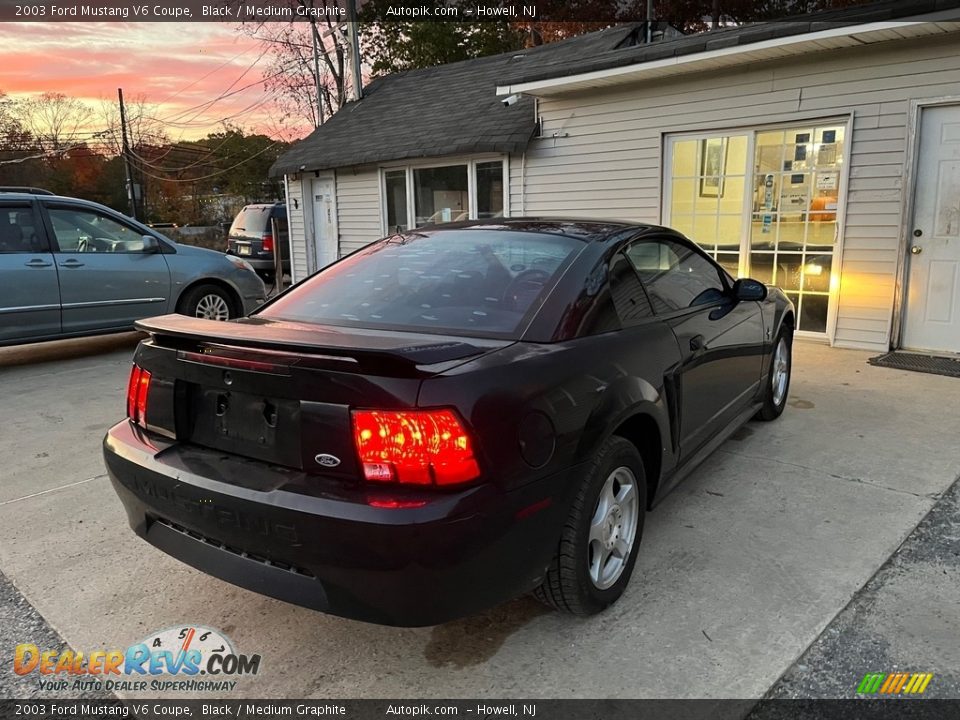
(741, 569)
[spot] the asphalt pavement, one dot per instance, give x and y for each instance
(742, 569)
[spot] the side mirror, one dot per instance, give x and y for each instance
(747, 289)
(150, 244)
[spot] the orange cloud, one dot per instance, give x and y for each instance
(176, 65)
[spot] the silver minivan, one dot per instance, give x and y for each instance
(72, 267)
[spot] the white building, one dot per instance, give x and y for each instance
(822, 156)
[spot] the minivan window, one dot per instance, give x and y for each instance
(471, 282)
(254, 221)
(17, 233)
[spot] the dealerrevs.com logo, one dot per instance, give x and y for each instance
(187, 658)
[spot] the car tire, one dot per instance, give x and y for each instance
(207, 301)
(778, 377)
(587, 574)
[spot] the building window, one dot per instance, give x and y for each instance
(395, 196)
(489, 190)
(708, 187)
(421, 196)
(441, 195)
(794, 216)
(764, 204)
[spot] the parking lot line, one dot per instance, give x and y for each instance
(50, 490)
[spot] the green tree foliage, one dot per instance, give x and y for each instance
(392, 44)
(396, 46)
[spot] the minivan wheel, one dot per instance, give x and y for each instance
(600, 540)
(209, 302)
(778, 377)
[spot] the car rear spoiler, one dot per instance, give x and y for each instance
(339, 343)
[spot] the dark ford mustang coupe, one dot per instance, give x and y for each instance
(447, 418)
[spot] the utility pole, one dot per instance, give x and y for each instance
(131, 189)
(649, 33)
(316, 70)
(353, 37)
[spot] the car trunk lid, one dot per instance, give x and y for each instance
(281, 391)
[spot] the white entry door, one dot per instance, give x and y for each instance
(932, 319)
(325, 239)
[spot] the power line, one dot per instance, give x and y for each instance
(211, 175)
(225, 94)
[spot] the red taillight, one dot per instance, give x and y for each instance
(419, 447)
(138, 387)
(268, 243)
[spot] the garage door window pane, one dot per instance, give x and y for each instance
(708, 182)
(795, 196)
(490, 184)
(440, 194)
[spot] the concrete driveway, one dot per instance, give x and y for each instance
(741, 568)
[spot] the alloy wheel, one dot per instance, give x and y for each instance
(213, 307)
(613, 528)
(781, 372)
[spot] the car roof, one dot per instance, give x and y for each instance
(580, 228)
(46, 196)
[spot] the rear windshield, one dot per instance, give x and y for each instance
(252, 221)
(468, 282)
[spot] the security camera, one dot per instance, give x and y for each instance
(510, 100)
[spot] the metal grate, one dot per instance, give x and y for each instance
(918, 363)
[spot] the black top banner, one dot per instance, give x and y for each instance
(335, 11)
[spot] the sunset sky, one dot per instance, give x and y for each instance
(177, 65)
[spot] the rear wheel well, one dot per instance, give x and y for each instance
(226, 287)
(789, 321)
(643, 432)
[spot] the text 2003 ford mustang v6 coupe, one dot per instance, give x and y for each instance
(448, 417)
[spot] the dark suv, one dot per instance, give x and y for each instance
(251, 236)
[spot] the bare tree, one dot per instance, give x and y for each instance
(56, 121)
(293, 75)
(143, 129)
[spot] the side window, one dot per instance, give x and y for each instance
(675, 276)
(593, 311)
(88, 231)
(17, 231)
(629, 299)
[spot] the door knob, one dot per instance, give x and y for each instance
(916, 249)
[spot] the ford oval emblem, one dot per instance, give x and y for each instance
(327, 460)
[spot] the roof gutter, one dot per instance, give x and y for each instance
(859, 34)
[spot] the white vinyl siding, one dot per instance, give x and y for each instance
(295, 222)
(600, 154)
(358, 207)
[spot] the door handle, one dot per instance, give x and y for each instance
(37, 262)
(71, 263)
(916, 249)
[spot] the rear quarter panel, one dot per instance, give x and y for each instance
(584, 387)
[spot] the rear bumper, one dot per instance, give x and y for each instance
(340, 550)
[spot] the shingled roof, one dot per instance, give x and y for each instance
(444, 110)
(535, 67)
(454, 109)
